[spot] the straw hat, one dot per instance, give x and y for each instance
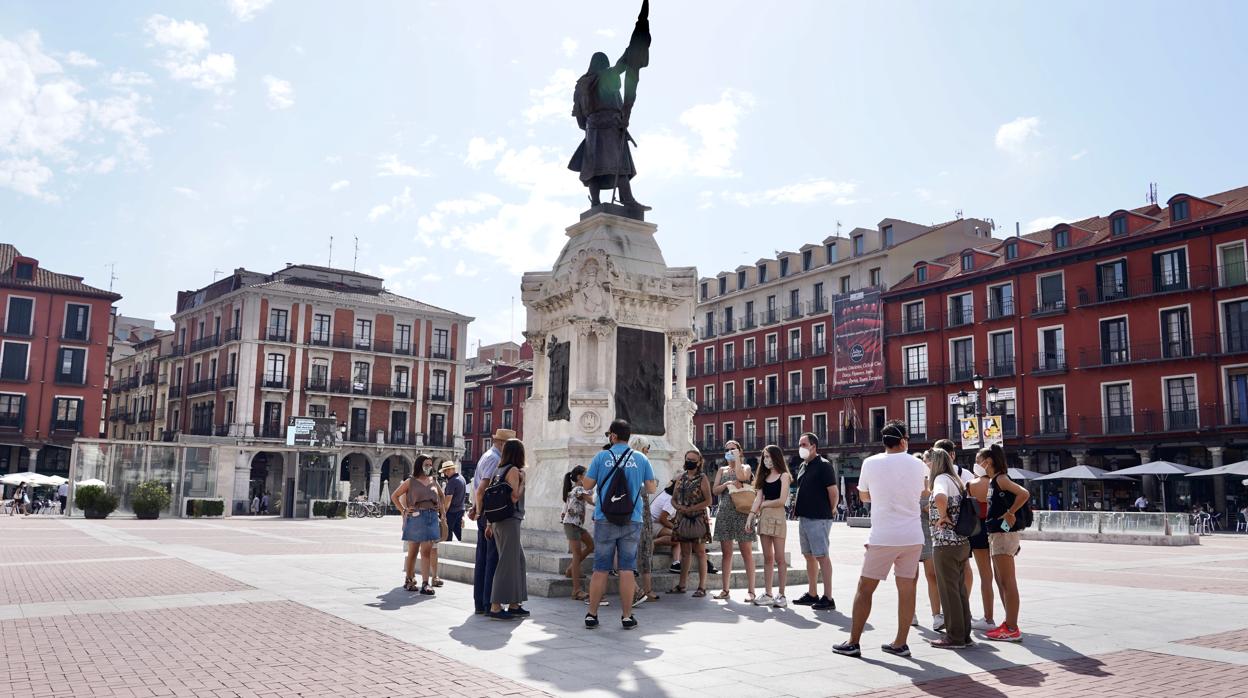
(504, 434)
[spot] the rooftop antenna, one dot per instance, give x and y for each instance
(331, 252)
(1017, 230)
(838, 229)
(1152, 193)
(512, 332)
(112, 275)
(215, 274)
(355, 262)
(958, 214)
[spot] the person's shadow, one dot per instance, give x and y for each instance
(396, 599)
(483, 633)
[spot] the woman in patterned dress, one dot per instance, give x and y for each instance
(729, 523)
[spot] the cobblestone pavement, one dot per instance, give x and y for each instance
(269, 607)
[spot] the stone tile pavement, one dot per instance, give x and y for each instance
(259, 606)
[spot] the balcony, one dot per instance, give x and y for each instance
(771, 356)
(145, 416)
(1152, 352)
(440, 353)
(79, 336)
(200, 430)
(708, 332)
(707, 368)
(960, 317)
(178, 350)
(1001, 368)
(221, 430)
(961, 373)
(148, 378)
(818, 305)
(1235, 342)
(438, 396)
(232, 334)
(900, 376)
(706, 407)
(317, 384)
(795, 395)
(1114, 290)
(1234, 274)
(362, 342)
(770, 317)
(127, 383)
(67, 379)
(229, 380)
(318, 339)
(795, 352)
(271, 431)
(1048, 362)
(1053, 425)
(203, 343)
(793, 312)
(998, 309)
(1147, 421)
(819, 348)
(749, 402)
(277, 334)
(728, 403)
(819, 392)
(749, 360)
(70, 425)
(275, 382)
(12, 421)
(1054, 304)
(747, 323)
(729, 363)
(436, 440)
(399, 438)
(175, 391)
(206, 385)
(910, 323)
(400, 391)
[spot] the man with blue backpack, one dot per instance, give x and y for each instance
(617, 473)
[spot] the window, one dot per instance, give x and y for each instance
(920, 273)
(1001, 346)
(751, 397)
(1180, 395)
(961, 312)
(1052, 294)
(1237, 396)
(278, 324)
(968, 261)
(821, 304)
(1011, 251)
(888, 236)
(1052, 355)
(13, 361)
(807, 260)
(730, 357)
(708, 435)
(784, 267)
(916, 418)
(730, 394)
(319, 376)
(730, 431)
(1235, 326)
(795, 343)
(795, 431)
(751, 435)
(962, 351)
(773, 431)
(762, 273)
(706, 292)
(24, 271)
(360, 377)
(20, 316)
(441, 344)
(771, 309)
(876, 279)
(402, 381)
(708, 330)
(363, 334)
(859, 246)
(438, 386)
(708, 360)
(67, 413)
(1053, 410)
(773, 349)
(728, 320)
(71, 366)
(1176, 333)
(845, 284)
(723, 285)
(1007, 409)
(1115, 347)
(708, 396)
(437, 430)
(1000, 301)
(821, 427)
(829, 252)
(508, 395)
(1179, 211)
(316, 411)
(913, 316)
(749, 357)
(1119, 225)
(820, 342)
(1231, 265)
(487, 425)
(320, 330)
(398, 428)
(77, 319)
(916, 364)
(740, 280)
(229, 411)
(819, 379)
(238, 318)
(748, 320)
(1061, 239)
(275, 371)
(468, 424)
(1117, 405)
(507, 424)
(1170, 270)
(1111, 280)
(12, 410)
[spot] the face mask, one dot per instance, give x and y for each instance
(804, 453)
(979, 471)
(691, 465)
(730, 457)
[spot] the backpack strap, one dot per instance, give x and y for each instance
(605, 480)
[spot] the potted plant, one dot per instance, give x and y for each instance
(95, 501)
(150, 498)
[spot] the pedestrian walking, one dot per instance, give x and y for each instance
(691, 497)
(456, 493)
(62, 495)
(487, 550)
(892, 483)
(620, 533)
(1005, 498)
(950, 550)
(255, 504)
(419, 499)
(511, 579)
(772, 485)
(730, 527)
(817, 497)
(580, 542)
(264, 503)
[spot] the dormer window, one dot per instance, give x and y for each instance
(968, 261)
(859, 246)
(1061, 239)
(920, 273)
(887, 234)
(784, 267)
(762, 273)
(807, 260)
(1011, 250)
(1179, 211)
(705, 291)
(1118, 225)
(740, 280)
(830, 250)
(723, 285)
(24, 271)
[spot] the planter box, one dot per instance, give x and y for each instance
(186, 507)
(340, 514)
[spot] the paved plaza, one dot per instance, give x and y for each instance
(270, 607)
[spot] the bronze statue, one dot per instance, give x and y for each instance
(603, 158)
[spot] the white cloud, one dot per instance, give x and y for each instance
(1014, 138)
(398, 206)
(1079, 155)
(280, 94)
(481, 150)
(340, 185)
(184, 42)
(126, 78)
(378, 211)
(431, 277)
(519, 237)
(923, 194)
(554, 100)
(26, 176)
(462, 269)
(667, 154)
(187, 192)
(542, 171)
(1044, 223)
(81, 60)
(389, 165)
(122, 116)
(434, 221)
(608, 33)
(806, 192)
(246, 10)
(569, 46)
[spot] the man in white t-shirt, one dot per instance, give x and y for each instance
(893, 483)
(1141, 503)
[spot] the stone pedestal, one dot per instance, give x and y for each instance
(610, 325)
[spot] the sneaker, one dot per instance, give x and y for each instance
(848, 649)
(944, 643)
(628, 623)
(780, 602)
(674, 568)
(806, 600)
(983, 624)
(914, 622)
(604, 602)
(519, 611)
(710, 568)
(639, 600)
(938, 622)
(896, 650)
(591, 621)
(500, 615)
(824, 604)
(764, 600)
(1005, 634)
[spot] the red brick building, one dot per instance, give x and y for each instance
(53, 363)
(1109, 341)
(494, 395)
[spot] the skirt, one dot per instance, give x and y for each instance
(511, 576)
(422, 527)
(730, 523)
(645, 544)
(771, 523)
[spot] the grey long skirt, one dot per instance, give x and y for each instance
(511, 576)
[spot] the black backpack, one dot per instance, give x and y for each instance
(496, 500)
(1023, 518)
(616, 500)
(968, 523)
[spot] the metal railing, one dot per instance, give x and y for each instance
(206, 385)
(961, 317)
(1050, 305)
(1000, 309)
(1113, 290)
(277, 334)
(204, 343)
(1048, 361)
(229, 380)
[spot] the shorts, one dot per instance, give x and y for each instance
(812, 536)
(926, 554)
(904, 559)
(572, 531)
(422, 527)
(979, 541)
(771, 523)
(1004, 543)
(610, 539)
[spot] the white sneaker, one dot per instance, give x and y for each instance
(915, 621)
(764, 600)
(982, 624)
(639, 600)
(780, 602)
(938, 621)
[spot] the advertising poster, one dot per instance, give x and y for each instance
(970, 433)
(312, 432)
(857, 342)
(991, 427)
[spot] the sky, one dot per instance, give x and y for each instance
(157, 145)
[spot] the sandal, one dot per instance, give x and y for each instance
(437, 582)
(722, 596)
(426, 589)
(677, 590)
(580, 595)
(409, 584)
(749, 598)
(699, 593)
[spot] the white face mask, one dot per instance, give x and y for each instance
(979, 471)
(730, 457)
(804, 453)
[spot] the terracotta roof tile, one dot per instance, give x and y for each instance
(46, 280)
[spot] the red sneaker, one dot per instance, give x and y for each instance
(1005, 634)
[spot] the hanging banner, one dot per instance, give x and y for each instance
(857, 342)
(993, 434)
(970, 433)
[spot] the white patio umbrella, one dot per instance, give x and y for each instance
(1161, 469)
(385, 494)
(1082, 472)
(1024, 474)
(28, 478)
(56, 480)
(1240, 468)
(91, 482)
